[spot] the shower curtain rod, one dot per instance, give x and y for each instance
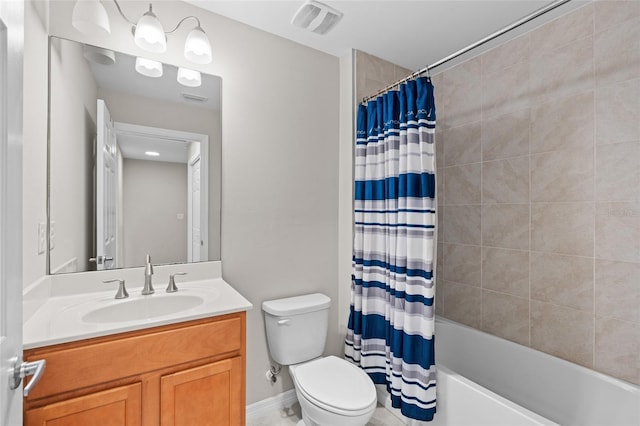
(518, 23)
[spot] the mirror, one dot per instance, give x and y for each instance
(134, 162)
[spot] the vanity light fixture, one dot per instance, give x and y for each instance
(197, 48)
(189, 78)
(148, 67)
(90, 17)
(148, 33)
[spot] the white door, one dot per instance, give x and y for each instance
(106, 190)
(195, 238)
(11, 53)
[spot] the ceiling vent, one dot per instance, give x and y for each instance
(317, 17)
(194, 97)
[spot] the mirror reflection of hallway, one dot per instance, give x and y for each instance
(158, 180)
(77, 81)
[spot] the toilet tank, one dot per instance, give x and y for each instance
(297, 327)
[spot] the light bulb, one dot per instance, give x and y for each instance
(148, 67)
(189, 78)
(149, 34)
(197, 48)
(90, 17)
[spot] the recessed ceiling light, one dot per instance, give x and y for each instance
(152, 153)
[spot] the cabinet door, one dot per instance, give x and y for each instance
(114, 407)
(209, 395)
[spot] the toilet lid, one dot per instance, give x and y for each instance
(336, 383)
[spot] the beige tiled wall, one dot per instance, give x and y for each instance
(373, 74)
(539, 189)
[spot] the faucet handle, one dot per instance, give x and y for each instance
(122, 291)
(148, 267)
(172, 288)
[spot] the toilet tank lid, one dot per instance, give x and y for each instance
(296, 305)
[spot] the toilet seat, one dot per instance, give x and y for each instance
(335, 385)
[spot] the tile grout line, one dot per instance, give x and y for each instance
(530, 117)
(595, 180)
(482, 117)
(531, 112)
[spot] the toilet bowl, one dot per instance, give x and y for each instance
(332, 391)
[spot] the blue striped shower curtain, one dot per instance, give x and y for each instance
(391, 324)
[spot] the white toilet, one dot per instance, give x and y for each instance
(330, 390)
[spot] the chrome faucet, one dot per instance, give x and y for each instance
(122, 290)
(148, 273)
(172, 288)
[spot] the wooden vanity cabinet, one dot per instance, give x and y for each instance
(186, 374)
(117, 406)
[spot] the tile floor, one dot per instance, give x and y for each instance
(382, 417)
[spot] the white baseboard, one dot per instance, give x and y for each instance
(268, 405)
(288, 398)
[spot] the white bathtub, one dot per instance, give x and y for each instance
(475, 368)
(462, 402)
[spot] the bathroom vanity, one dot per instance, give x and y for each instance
(168, 368)
(150, 359)
(190, 373)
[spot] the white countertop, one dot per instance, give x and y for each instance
(60, 318)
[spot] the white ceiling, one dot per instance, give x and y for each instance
(122, 77)
(412, 34)
(134, 141)
(134, 146)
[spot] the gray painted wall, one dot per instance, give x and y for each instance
(280, 130)
(143, 111)
(154, 193)
(72, 135)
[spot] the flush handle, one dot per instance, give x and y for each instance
(284, 321)
(24, 369)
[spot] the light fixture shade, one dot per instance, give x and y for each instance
(197, 48)
(90, 17)
(98, 55)
(189, 78)
(149, 34)
(148, 67)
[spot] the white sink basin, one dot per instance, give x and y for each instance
(143, 308)
(73, 316)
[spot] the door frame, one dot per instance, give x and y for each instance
(203, 209)
(170, 134)
(106, 191)
(11, 104)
